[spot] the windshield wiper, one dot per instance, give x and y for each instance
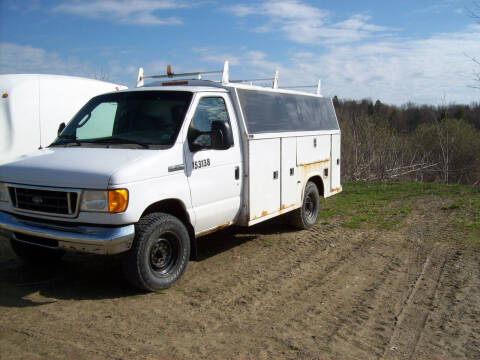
(119, 140)
(68, 137)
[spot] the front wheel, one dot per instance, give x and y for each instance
(307, 215)
(159, 254)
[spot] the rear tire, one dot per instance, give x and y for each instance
(36, 255)
(307, 215)
(159, 253)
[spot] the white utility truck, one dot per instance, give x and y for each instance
(145, 172)
(32, 106)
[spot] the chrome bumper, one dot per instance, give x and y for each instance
(90, 239)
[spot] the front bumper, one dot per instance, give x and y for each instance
(90, 239)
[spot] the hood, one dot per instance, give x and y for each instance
(90, 168)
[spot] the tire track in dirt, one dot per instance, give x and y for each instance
(453, 329)
(349, 308)
(313, 279)
(415, 310)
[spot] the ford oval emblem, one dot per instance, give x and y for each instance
(37, 200)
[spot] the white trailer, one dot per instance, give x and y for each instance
(32, 106)
(146, 172)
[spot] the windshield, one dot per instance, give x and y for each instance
(141, 117)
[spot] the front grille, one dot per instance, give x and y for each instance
(37, 200)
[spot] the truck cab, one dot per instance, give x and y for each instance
(145, 172)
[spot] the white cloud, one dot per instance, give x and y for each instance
(393, 70)
(307, 24)
(137, 12)
(27, 59)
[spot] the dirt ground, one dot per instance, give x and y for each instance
(268, 292)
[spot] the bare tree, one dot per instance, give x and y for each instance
(474, 13)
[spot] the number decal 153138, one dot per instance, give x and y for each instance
(201, 163)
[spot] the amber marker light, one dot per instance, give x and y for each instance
(5, 95)
(117, 200)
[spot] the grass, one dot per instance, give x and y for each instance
(385, 206)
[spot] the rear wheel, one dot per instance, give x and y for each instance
(36, 255)
(307, 215)
(159, 254)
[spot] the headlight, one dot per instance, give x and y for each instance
(93, 200)
(3, 192)
(114, 201)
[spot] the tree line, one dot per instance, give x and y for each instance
(410, 142)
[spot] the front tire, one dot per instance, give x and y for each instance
(307, 215)
(159, 253)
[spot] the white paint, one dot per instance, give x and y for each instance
(264, 188)
(335, 167)
(36, 105)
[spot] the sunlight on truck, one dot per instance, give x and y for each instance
(145, 172)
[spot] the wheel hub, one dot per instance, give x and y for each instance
(310, 206)
(161, 254)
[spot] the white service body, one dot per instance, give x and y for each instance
(32, 106)
(262, 175)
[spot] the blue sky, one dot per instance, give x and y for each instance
(395, 51)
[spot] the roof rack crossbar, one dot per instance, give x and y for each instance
(169, 75)
(172, 75)
(251, 80)
(318, 86)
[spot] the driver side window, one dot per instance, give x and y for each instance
(209, 109)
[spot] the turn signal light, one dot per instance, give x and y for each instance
(117, 200)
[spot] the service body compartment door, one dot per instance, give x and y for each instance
(290, 195)
(264, 177)
(335, 162)
(312, 149)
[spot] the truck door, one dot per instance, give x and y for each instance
(214, 176)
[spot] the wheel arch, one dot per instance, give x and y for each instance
(175, 207)
(318, 181)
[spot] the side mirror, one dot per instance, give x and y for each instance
(223, 129)
(60, 128)
(220, 138)
(201, 140)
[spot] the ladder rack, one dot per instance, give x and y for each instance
(141, 77)
(225, 78)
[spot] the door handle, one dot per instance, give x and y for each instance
(237, 172)
(176, 167)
